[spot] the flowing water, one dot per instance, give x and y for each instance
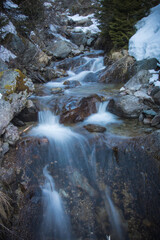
(82, 174)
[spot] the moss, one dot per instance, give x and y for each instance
(10, 89)
(21, 82)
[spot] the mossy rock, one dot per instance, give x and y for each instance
(14, 81)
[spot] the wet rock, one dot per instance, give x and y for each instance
(6, 113)
(127, 106)
(154, 90)
(17, 122)
(85, 107)
(94, 128)
(4, 148)
(11, 134)
(56, 90)
(60, 49)
(72, 83)
(149, 113)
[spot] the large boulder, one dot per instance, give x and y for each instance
(141, 79)
(119, 71)
(60, 49)
(14, 81)
(127, 106)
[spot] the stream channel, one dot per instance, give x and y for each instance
(93, 184)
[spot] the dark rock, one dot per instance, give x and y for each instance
(156, 98)
(17, 122)
(9, 177)
(94, 128)
(85, 107)
(145, 64)
(79, 38)
(127, 106)
(149, 113)
(154, 90)
(155, 120)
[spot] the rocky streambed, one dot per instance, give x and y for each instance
(80, 152)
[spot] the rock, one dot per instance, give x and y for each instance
(142, 95)
(79, 38)
(118, 71)
(147, 121)
(154, 90)
(43, 58)
(72, 83)
(9, 177)
(56, 90)
(94, 128)
(3, 66)
(156, 120)
(145, 64)
(85, 107)
(136, 82)
(12, 81)
(6, 113)
(127, 106)
(11, 134)
(156, 98)
(60, 49)
(149, 113)
(4, 148)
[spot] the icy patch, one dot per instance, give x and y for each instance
(21, 17)
(155, 77)
(145, 42)
(92, 28)
(1, 95)
(9, 4)
(77, 17)
(9, 28)
(5, 54)
(47, 5)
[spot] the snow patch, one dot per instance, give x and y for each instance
(93, 28)
(145, 42)
(9, 28)
(9, 4)
(47, 5)
(1, 95)
(155, 77)
(5, 54)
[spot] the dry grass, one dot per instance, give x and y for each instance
(5, 206)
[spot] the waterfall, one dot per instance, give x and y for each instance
(102, 116)
(114, 217)
(55, 222)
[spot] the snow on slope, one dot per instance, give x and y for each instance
(145, 43)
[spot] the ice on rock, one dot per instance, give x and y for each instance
(9, 4)
(145, 42)
(5, 54)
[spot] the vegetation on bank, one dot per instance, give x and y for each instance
(117, 20)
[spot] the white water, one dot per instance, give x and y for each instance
(114, 217)
(102, 117)
(55, 222)
(96, 66)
